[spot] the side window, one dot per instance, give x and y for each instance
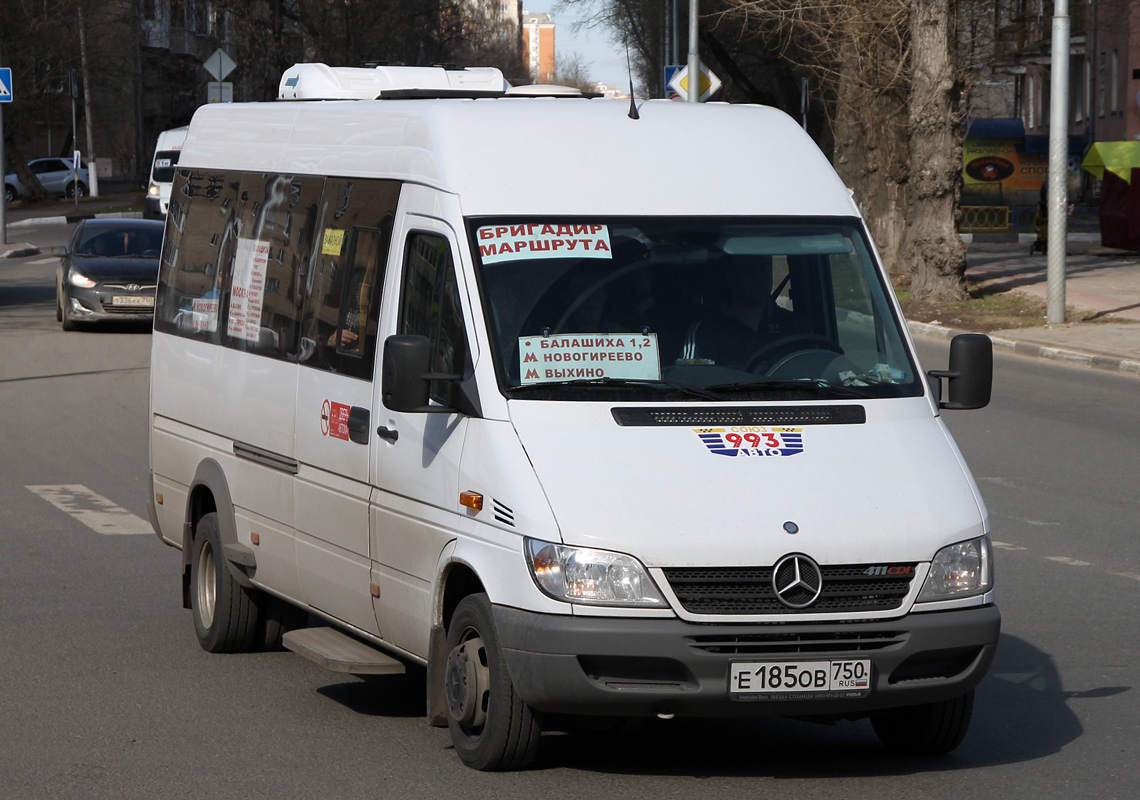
(430, 305)
(198, 254)
(343, 278)
(275, 231)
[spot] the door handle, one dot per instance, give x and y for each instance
(388, 434)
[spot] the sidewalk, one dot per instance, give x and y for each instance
(1101, 283)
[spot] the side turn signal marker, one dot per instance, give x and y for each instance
(472, 500)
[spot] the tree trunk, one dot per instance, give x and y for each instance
(932, 246)
(871, 154)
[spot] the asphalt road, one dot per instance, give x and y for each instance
(105, 693)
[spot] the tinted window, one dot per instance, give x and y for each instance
(430, 306)
(164, 163)
(289, 267)
(343, 280)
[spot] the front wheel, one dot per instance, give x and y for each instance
(926, 730)
(9, 194)
(225, 612)
(491, 727)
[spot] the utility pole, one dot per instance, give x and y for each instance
(92, 170)
(1058, 201)
(694, 53)
(3, 172)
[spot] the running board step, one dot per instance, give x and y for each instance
(339, 652)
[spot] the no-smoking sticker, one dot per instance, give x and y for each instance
(334, 420)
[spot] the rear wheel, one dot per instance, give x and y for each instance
(491, 727)
(926, 730)
(225, 612)
(9, 194)
(76, 190)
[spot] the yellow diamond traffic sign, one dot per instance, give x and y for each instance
(709, 84)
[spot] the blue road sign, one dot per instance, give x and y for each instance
(5, 84)
(670, 71)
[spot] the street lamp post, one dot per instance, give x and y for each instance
(1058, 204)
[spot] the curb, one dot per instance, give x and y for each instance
(69, 218)
(21, 251)
(33, 221)
(1075, 357)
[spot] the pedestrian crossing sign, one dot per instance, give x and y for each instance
(5, 84)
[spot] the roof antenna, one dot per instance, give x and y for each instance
(632, 105)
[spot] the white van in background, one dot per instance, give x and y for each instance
(632, 436)
(166, 153)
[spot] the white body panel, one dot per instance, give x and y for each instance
(661, 495)
(470, 148)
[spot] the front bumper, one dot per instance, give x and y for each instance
(152, 208)
(621, 666)
(99, 304)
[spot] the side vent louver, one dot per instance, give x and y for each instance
(503, 514)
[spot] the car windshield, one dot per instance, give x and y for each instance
(165, 162)
(699, 309)
(127, 242)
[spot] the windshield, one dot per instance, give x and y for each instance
(655, 308)
(164, 163)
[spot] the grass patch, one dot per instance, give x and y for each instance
(989, 308)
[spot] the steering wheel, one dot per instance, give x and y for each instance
(809, 341)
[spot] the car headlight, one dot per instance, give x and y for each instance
(77, 278)
(960, 570)
(596, 577)
(152, 191)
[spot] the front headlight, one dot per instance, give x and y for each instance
(597, 577)
(960, 570)
(152, 191)
(77, 278)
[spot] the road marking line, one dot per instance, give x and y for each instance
(93, 510)
(1072, 562)
(1008, 546)
(1131, 575)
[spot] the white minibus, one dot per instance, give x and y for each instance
(589, 408)
(166, 152)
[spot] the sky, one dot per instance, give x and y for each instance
(603, 60)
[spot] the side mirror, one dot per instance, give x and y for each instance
(59, 251)
(407, 360)
(971, 374)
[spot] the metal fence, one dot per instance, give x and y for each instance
(1020, 219)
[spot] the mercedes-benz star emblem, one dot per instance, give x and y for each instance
(797, 581)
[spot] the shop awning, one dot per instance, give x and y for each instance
(1119, 158)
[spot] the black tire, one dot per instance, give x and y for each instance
(58, 308)
(278, 618)
(9, 194)
(927, 730)
(74, 189)
(64, 315)
(491, 727)
(225, 612)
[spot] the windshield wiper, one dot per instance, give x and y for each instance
(817, 385)
(622, 383)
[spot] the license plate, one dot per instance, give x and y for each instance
(146, 301)
(791, 680)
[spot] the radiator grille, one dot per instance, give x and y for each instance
(748, 590)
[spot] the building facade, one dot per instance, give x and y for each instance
(538, 46)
